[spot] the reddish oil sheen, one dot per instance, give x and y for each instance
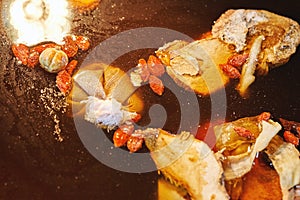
(262, 182)
(205, 132)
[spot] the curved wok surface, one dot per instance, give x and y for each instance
(34, 165)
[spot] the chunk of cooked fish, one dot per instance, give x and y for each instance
(195, 66)
(242, 27)
(239, 27)
(270, 39)
(239, 151)
(109, 95)
(188, 163)
(286, 160)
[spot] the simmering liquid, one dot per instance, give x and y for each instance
(262, 182)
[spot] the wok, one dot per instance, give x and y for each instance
(34, 165)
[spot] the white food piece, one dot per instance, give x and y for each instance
(37, 21)
(247, 76)
(107, 113)
(242, 20)
(184, 58)
(89, 81)
(135, 77)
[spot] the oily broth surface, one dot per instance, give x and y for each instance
(35, 165)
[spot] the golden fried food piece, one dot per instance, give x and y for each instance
(195, 66)
(84, 5)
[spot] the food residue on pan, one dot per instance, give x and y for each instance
(54, 102)
(54, 58)
(40, 33)
(57, 59)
